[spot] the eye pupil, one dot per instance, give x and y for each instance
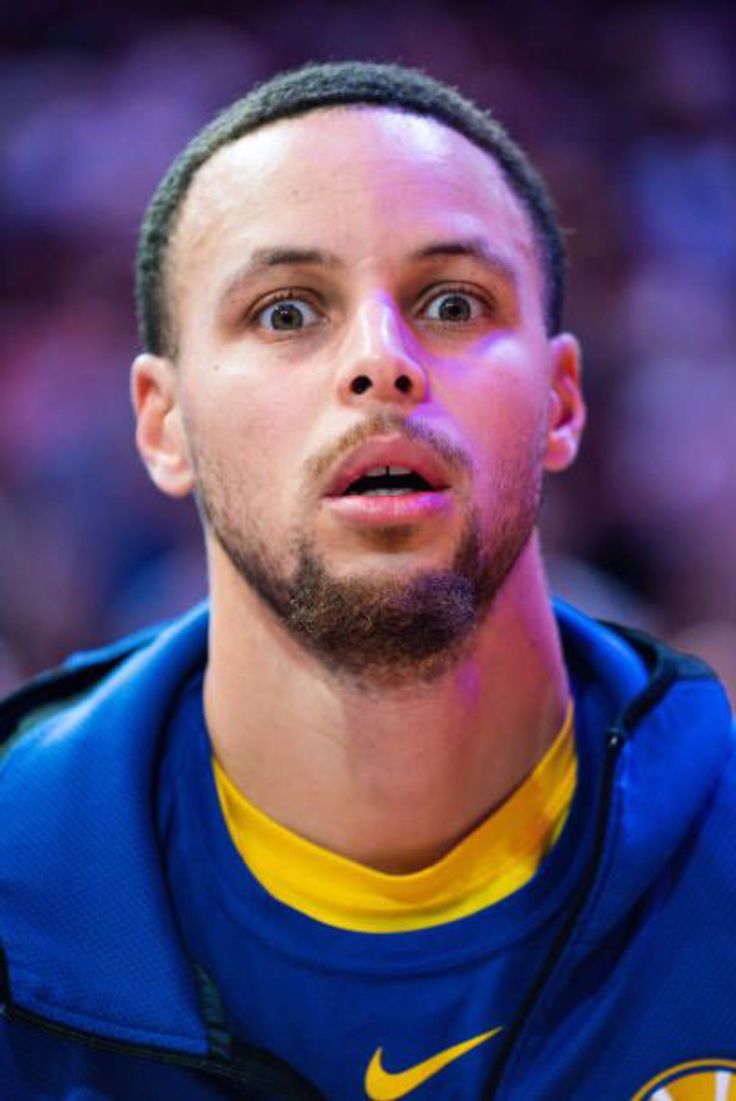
(287, 316)
(454, 308)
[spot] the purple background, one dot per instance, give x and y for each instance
(630, 112)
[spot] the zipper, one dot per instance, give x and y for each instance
(615, 740)
(664, 667)
(262, 1079)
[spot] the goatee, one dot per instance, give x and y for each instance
(382, 632)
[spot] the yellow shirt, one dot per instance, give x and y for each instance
(495, 859)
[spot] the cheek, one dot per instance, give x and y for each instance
(504, 413)
(246, 441)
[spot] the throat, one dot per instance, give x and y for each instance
(486, 862)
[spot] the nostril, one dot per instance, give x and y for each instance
(360, 384)
(403, 383)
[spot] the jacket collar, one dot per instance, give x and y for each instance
(674, 724)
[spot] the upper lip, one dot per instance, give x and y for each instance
(389, 451)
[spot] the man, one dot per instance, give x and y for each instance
(377, 821)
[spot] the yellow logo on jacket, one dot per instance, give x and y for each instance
(699, 1080)
(384, 1085)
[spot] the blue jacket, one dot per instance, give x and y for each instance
(100, 1002)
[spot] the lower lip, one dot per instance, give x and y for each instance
(405, 508)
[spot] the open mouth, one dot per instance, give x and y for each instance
(380, 490)
(388, 481)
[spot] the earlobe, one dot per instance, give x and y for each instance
(567, 410)
(160, 435)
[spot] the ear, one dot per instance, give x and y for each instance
(160, 435)
(567, 410)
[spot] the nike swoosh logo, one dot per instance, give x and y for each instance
(381, 1085)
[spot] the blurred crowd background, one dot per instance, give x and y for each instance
(629, 111)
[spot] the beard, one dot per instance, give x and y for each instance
(380, 632)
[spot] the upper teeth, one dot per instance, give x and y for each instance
(383, 470)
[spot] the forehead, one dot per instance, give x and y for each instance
(369, 182)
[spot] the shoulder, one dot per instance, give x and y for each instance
(126, 670)
(92, 729)
(56, 690)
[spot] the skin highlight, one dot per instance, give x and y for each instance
(377, 690)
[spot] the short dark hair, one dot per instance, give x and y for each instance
(310, 88)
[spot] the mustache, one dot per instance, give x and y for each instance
(383, 424)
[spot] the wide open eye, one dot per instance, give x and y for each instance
(287, 315)
(454, 307)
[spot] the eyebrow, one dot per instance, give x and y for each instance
(474, 248)
(263, 259)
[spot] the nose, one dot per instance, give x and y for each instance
(380, 360)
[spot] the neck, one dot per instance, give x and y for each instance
(392, 779)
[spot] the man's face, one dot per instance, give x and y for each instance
(357, 289)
